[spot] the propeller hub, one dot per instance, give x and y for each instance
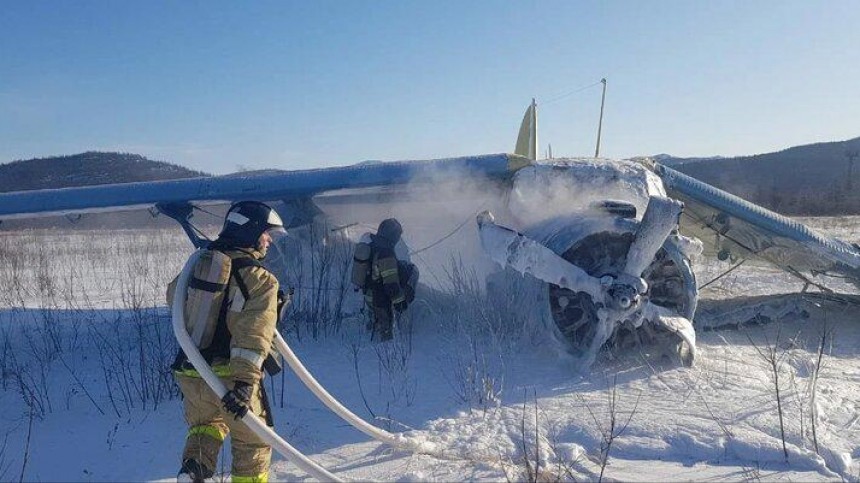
(622, 297)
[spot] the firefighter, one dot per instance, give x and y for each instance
(388, 283)
(241, 343)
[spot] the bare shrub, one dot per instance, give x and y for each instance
(56, 283)
(610, 425)
(45, 285)
(473, 379)
(394, 362)
(502, 311)
(33, 389)
(4, 466)
(6, 354)
(531, 462)
(564, 468)
(80, 385)
(316, 263)
(724, 424)
(356, 365)
(826, 335)
(26, 458)
(774, 356)
(396, 384)
(480, 326)
(73, 277)
(541, 453)
(12, 267)
(134, 356)
(752, 473)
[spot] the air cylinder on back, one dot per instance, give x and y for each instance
(206, 291)
(361, 261)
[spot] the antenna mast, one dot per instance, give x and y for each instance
(600, 123)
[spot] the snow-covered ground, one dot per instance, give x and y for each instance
(85, 340)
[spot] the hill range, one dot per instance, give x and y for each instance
(813, 180)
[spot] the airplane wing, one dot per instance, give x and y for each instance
(733, 228)
(297, 186)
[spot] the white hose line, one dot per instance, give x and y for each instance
(252, 420)
(398, 441)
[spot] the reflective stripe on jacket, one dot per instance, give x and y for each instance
(386, 274)
(252, 322)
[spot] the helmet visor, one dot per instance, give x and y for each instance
(274, 219)
(275, 225)
(276, 232)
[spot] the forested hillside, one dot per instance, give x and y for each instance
(815, 179)
(85, 169)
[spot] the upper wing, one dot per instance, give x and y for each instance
(733, 227)
(285, 186)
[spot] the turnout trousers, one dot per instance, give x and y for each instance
(209, 424)
(382, 314)
(383, 322)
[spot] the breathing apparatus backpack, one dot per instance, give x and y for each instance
(206, 305)
(207, 293)
(362, 260)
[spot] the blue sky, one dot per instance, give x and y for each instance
(287, 84)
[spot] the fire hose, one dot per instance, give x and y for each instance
(395, 440)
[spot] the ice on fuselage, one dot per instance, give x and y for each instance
(560, 187)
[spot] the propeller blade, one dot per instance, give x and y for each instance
(660, 217)
(509, 248)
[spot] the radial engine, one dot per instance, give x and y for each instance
(604, 237)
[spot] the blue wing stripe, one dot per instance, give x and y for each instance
(753, 214)
(279, 186)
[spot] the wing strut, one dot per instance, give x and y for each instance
(182, 213)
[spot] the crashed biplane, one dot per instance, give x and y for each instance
(616, 264)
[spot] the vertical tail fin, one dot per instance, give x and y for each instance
(527, 139)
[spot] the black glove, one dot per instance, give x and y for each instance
(400, 307)
(271, 365)
(236, 402)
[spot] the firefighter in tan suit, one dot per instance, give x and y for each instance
(239, 346)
